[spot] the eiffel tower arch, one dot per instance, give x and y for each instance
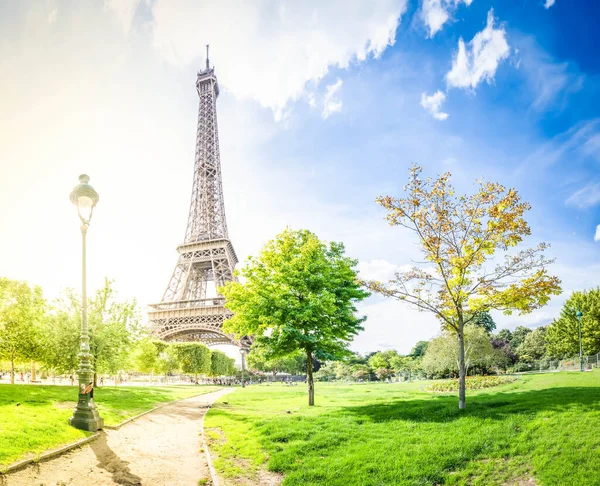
(206, 257)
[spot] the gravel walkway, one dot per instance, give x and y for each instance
(160, 448)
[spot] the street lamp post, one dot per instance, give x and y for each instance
(85, 416)
(579, 315)
(243, 353)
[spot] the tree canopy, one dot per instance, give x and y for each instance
(563, 333)
(470, 266)
(298, 294)
(22, 309)
(442, 353)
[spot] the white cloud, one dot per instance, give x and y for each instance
(549, 3)
(585, 197)
(478, 61)
(124, 11)
(550, 82)
(433, 104)
(268, 51)
(435, 13)
(597, 235)
(579, 141)
(331, 103)
(379, 269)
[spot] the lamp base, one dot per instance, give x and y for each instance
(86, 416)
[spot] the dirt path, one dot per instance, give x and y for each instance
(160, 448)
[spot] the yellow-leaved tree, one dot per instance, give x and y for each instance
(471, 263)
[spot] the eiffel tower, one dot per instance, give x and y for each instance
(206, 256)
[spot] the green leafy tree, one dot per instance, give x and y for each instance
(407, 365)
(443, 356)
(327, 372)
(360, 371)
(221, 364)
(383, 359)
(22, 309)
(563, 333)
(145, 356)
(381, 362)
(484, 320)
(518, 336)
(114, 328)
(533, 346)
(193, 358)
(258, 361)
(62, 336)
(462, 238)
(419, 349)
(505, 335)
(298, 294)
(168, 359)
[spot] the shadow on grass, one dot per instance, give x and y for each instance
(496, 406)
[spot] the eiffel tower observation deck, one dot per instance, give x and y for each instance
(191, 309)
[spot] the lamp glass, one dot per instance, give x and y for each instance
(85, 205)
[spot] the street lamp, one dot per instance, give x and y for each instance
(579, 315)
(243, 353)
(85, 416)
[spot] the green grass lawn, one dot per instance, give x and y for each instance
(545, 427)
(40, 422)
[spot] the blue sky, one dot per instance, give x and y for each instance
(324, 106)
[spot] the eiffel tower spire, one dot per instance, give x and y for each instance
(206, 256)
(207, 209)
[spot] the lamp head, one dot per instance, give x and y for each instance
(85, 198)
(579, 314)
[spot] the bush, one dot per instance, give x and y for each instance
(472, 382)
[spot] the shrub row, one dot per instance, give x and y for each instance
(472, 382)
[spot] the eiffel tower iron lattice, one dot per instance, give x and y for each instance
(206, 256)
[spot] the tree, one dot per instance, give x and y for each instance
(484, 320)
(221, 364)
(63, 337)
(145, 356)
(168, 359)
(298, 294)
(563, 333)
(443, 355)
(533, 346)
(460, 238)
(503, 352)
(407, 365)
(383, 359)
(194, 358)
(419, 349)
(114, 330)
(292, 364)
(518, 336)
(505, 335)
(381, 362)
(22, 309)
(359, 371)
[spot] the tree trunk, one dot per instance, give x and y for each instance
(33, 372)
(461, 369)
(309, 379)
(95, 379)
(12, 372)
